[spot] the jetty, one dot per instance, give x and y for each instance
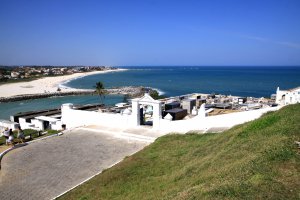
(131, 91)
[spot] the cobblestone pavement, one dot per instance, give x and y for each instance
(46, 168)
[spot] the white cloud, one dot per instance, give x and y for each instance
(262, 39)
(290, 44)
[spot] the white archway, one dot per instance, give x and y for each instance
(146, 100)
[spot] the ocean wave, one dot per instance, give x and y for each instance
(160, 92)
(63, 86)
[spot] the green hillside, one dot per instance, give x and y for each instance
(256, 160)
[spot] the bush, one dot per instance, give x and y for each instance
(27, 132)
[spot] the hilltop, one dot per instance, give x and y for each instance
(255, 160)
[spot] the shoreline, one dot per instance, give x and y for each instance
(46, 85)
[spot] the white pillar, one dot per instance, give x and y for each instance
(156, 115)
(135, 113)
(64, 113)
(201, 111)
(278, 96)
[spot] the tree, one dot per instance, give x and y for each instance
(155, 95)
(100, 90)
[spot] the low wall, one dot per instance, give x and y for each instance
(76, 118)
(26, 125)
(219, 121)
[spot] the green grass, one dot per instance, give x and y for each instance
(27, 132)
(256, 160)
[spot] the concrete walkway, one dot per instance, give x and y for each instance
(47, 168)
(142, 133)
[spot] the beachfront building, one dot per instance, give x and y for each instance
(286, 97)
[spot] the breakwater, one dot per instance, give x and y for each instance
(43, 95)
(131, 91)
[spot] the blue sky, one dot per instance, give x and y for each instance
(150, 32)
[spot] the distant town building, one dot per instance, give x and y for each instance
(15, 74)
(285, 97)
(40, 71)
(27, 75)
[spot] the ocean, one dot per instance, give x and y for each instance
(173, 81)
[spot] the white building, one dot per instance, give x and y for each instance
(286, 97)
(15, 74)
(41, 123)
(8, 124)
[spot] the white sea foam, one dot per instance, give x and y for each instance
(160, 92)
(63, 86)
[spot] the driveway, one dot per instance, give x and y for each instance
(47, 168)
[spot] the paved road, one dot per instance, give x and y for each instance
(45, 169)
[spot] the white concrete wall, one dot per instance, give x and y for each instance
(38, 124)
(76, 118)
(205, 123)
(26, 125)
(56, 125)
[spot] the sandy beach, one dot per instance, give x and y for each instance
(44, 85)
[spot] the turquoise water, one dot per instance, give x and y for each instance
(242, 81)
(7, 109)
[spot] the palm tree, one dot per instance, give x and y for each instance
(100, 90)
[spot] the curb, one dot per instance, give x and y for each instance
(3, 153)
(50, 136)
(26, 143)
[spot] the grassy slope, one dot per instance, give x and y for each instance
(256, 160)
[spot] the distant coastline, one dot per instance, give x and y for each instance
(42, 86)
